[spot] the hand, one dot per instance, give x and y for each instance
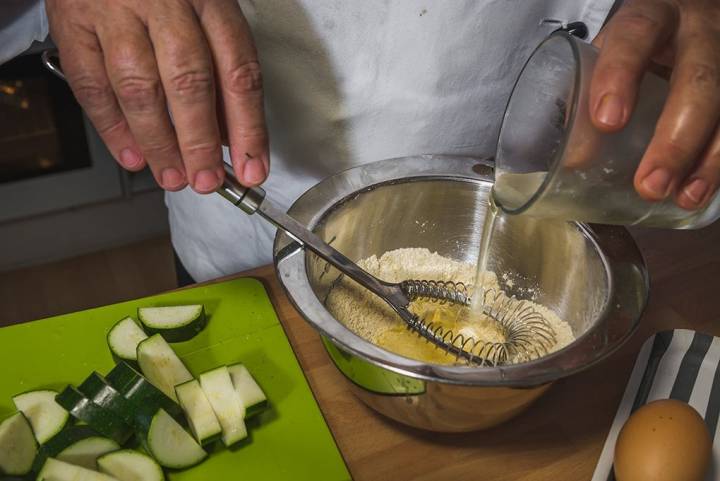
(683, 158)
(129, 62)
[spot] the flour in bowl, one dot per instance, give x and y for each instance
(371, 318)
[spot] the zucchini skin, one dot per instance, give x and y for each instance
(99, 391)
(255, 409)
(117, 360)
(143, 396)
(177, 333)
(105, 422)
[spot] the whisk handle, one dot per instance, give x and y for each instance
(246, 198)
(252, 200)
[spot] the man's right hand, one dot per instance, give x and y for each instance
(133, 63)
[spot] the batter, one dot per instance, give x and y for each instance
(371, 318)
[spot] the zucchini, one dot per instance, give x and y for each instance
(99, 391)
(55, 445)
(226, 403)
(129, 465)
(105, 422)
(143, 396)
(86, 451)
(46, 417)
(251, 395)
(175, 323)
(17, 445)
(123, 339)
(203, 422)
(161, 365)
(56, 470)
(170, 444)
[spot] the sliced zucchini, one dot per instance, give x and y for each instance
(17, 445)
(161, 365)
(86, 451)
(129, 465)
(175, 323)
(170, 444)
(203, 422)
(140, 392)
(56, 470)
(251, 395)
(123, 339)
(105, 422)
(226, 403)
(55, 445)
(46, 417)
(99, 391)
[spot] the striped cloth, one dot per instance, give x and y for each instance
(679, 364)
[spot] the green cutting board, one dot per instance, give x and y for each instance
(290, 441)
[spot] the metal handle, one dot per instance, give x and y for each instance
(48, 57)
(252, 200)
(247, 198)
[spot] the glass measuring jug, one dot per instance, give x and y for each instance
(552, 162)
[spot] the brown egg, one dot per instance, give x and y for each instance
(664, 440)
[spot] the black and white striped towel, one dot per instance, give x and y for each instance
(679, 364)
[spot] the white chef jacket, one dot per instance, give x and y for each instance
(351, 82)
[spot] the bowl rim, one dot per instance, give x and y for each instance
(625, 269)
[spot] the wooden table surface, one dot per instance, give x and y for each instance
(558, 438)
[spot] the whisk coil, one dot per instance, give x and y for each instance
(527, 334)
(437, 291)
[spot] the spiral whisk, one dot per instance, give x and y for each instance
(436, 291)
(526, 333)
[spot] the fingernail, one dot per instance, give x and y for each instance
(254, 171)
(206, 181)
(129, 158)
(610, 110)
(658, 183)
(696, 190)
(171, 178)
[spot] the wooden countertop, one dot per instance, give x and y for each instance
(558, 438)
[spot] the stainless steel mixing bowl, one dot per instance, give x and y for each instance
(593, 277)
